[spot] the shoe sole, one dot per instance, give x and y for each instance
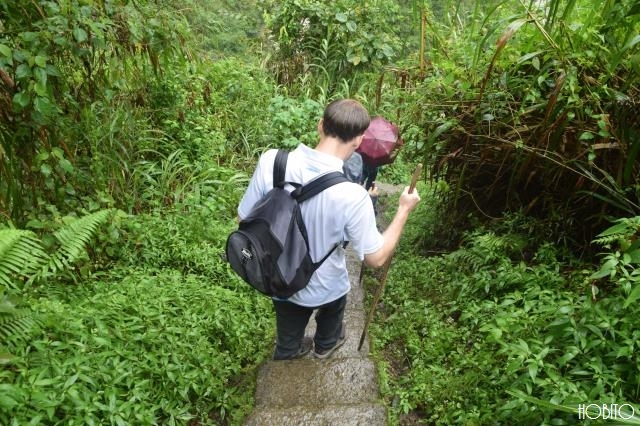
(338, 344)
(303, 353)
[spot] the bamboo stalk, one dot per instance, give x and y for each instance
(423, 28)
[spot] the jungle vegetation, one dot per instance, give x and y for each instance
(128, 130)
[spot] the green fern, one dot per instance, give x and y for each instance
(625, 229)
(16, 326)
(23, 258)
(486, 249)
(73, 239)
(21, 254)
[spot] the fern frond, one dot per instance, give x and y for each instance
(16, 325)
(623, 229)
(485, 249)
(73, 238)
(21, 254)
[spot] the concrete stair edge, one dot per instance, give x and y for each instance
(332, 381)
(369, 414)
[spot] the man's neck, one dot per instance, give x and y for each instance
(335, 147)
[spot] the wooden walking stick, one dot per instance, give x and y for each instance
(385, 268)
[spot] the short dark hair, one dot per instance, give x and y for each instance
(345, 119)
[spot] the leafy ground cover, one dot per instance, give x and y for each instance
(463, 336)
(161, 110)
(169, 336)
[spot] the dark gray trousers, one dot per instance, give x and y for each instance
(292, 319)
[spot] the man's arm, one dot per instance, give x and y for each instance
(391, 236)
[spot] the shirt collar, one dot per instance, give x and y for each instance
(329, 160)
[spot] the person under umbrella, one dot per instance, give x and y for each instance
(379, 146)
(353, 169)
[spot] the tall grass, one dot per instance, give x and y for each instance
(538, 117)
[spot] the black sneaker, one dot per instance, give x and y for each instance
(323, 354)
(305, 348)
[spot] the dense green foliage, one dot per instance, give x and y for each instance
(463, 335)
(94, 92)
(166, 336)
(133, 318)
(534, 106)
(321, 46)
(150, 347)
(128, 131)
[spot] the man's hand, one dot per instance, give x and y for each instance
(373, 191)
(391, 235)
(408, 201)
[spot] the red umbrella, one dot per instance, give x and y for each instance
(380, 141)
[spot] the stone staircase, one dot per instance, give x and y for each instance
(339, 391)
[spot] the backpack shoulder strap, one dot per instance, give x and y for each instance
(318, 185)
(315, 187)
(279, 168)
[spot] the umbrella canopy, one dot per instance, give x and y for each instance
(380, 141)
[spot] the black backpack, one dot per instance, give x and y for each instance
(270, 248)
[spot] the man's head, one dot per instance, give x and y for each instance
(345, 119)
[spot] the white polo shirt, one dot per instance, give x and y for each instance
(343, 212)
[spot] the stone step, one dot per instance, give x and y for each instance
(340, 381)
(339, 391)
(355, 297)
(368, 414)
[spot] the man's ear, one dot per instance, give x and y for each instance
(358, 140)
(320, 123)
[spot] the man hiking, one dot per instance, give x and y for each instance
(342, 212)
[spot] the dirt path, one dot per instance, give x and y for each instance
(339, 391)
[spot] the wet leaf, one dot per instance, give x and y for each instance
(23, 71)
(536, 63)
(29, 36)
(79, 34)
(586, 136)
(633, 297)
(44, 106)
(21, 99)
(5, 50)
(341, 17)
(41, 61)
